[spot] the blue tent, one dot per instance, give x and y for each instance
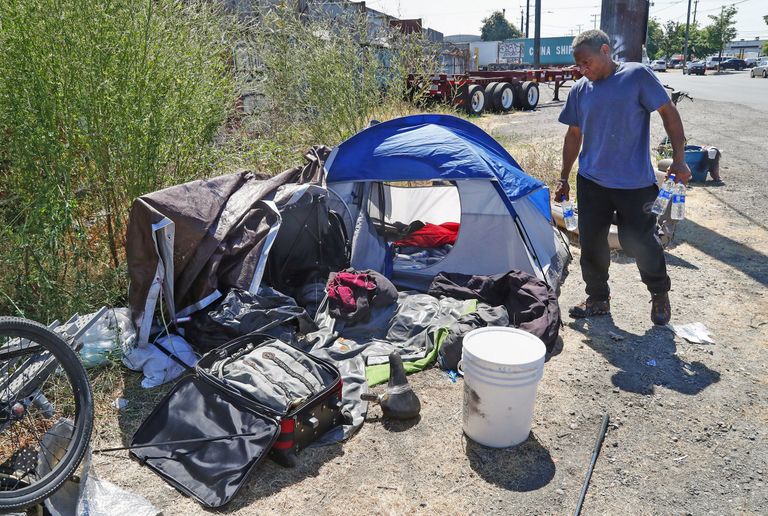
(430, 147)
(457, 173)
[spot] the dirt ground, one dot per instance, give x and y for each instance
(688, 422)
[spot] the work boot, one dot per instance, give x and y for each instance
(661, 311)
(590, 308)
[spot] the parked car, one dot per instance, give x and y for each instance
(675, 63)
(712, 62)
(696, 68)
(760, 70)
(659, 65)
(733, 64)
(751, 62)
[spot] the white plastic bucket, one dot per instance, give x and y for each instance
(502, 368)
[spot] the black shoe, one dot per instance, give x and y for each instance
(661, 311)
(591, 308)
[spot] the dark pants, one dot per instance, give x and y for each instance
(637, 235)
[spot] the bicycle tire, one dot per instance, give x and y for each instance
(69, 362)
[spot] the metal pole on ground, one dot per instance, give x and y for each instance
(595, 453)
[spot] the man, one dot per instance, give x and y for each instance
(608, 117)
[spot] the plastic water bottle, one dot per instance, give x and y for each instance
(665, 194)
(568, 216)
(678, 202)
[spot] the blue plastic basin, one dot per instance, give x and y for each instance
(696, 159)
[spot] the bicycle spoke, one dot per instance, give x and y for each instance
(18, 444)
(40, 442)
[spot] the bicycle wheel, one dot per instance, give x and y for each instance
(46, 412)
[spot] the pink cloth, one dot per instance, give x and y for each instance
(340, 289)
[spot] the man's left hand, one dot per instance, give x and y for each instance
(681, 171)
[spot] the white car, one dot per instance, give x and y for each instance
(713, 61)
(659, 65)
(760, 70)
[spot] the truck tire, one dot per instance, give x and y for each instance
(489, 96)
(529, 95)
(518, 89)
(504, 97)
(765, 74)
(474, 101)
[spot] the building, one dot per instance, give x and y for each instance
(745, 48)
(462, 38)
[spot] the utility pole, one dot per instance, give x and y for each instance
(522, 13)
(594, 20)
(695, 8)
(527, 16)
(647, 23)
(579, 25)
(687, 25)
(537, 36)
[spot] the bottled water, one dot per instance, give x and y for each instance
(568, 216)
(678, 202)
(665, 194)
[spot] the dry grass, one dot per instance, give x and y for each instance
(113, 427)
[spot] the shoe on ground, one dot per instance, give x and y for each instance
(661, 311)
(591, 308)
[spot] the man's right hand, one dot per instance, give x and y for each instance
(562, 190)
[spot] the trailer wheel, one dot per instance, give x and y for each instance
(504, 97)
(475, 100)
(518, 100)
(489, 96)
(529, 97)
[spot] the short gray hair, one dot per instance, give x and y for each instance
(591, 39)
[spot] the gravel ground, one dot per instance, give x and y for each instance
(688, 422)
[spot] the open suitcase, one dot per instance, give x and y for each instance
(248, 398)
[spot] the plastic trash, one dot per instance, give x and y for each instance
(113, 331)
(651, 362)
(158, 367)
(696, 332)
(103, 498)
(84, 494)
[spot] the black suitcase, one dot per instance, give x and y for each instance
(207, 435)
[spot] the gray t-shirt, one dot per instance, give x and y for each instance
(614, 117)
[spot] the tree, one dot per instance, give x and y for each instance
(497, 28)
(655, 38)
(673, 38)
(722, 29)
(765, 45)
(700, 45)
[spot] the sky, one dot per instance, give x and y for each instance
(563, 17)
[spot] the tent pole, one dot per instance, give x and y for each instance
(529, 244)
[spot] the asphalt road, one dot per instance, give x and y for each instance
(730, 86)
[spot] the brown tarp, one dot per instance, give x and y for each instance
(219, 230)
